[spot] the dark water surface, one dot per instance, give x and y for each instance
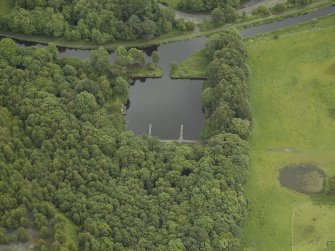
(167, 103)
(291, 176)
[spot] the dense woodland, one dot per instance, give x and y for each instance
(99, 21)
(71, 172)
(228, 7)
(225, 97)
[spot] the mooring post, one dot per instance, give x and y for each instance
(150, 127)
(181, 138)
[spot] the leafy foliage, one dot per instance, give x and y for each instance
(225, 98)
(98, 21)
(228, 6)
(64, 151)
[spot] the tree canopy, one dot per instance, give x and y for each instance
(98, 21)
(68, 165)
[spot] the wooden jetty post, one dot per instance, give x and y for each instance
(150, 127)
(181, 138)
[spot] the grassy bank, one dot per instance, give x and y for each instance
(4, 7)
(193, 67)
(292, 97)
(172, 36)
(150, 71)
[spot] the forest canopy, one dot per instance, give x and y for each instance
(99, 21)
(67, 164)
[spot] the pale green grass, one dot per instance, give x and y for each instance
(4, 7)
(172, 36)
(171, 3)
(292, 97)
(145, 72)
(313, 226)
(192, 67)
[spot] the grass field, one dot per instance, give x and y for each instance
(313, 226)
(193, 67)
(292, 96)
(4, 7)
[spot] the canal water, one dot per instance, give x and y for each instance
(167, 103)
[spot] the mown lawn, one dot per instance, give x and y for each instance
(4, 7)
(292, 98)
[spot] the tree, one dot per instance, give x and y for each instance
(3, 236)
(155, 57)
(218, 16)
(84, 103)
(7, 49)
(122, 56)
(176, 245)
(121, 86)
(22, 235)
(261, 10)
(99, 60)
(138, 56)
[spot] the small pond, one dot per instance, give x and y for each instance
(303, 178)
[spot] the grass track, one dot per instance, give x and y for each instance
(292, 96)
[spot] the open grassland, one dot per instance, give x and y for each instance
(292, 96)
(4, 7)
(193, 67)
(313, 226)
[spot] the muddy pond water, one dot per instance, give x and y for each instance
(167, 103)
(304, 178)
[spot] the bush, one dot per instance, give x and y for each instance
(261, 11)
(190, 25)
(3, 237)
(22, 235)
(279, 7)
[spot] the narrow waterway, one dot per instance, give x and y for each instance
(167, 103)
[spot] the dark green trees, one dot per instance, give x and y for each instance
(99, 21)
(70, 171)
(225, 100)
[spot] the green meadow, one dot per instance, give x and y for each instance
(313, 227)
(4, 7)
(292, 99)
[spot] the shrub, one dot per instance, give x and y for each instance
(279, 7)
